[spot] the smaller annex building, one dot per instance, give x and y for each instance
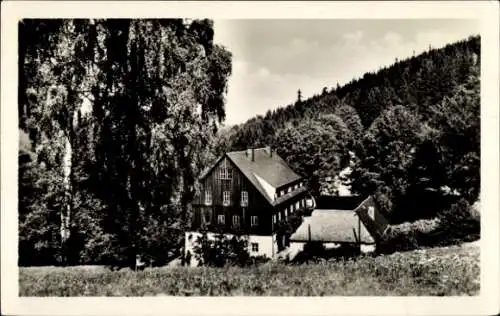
(341, 221)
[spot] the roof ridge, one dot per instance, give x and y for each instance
(244, 150)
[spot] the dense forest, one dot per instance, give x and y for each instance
(410, 132)
(117, 118)
(114, 118)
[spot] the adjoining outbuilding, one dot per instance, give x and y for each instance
(337, 221)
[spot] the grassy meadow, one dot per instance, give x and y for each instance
(446, 271)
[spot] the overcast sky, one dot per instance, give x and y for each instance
(272, 59)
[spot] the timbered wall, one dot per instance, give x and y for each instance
(257, 205)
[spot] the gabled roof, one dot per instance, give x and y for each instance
(342, 220)
(340, 226)
(266, 171)
(270, 167)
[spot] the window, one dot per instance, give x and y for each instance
(236, 220)
(255, 247)
(226, 198)
(208, 198)
(244, 198)
(302, 202)
(225, 174)
(279, 216)
(274, 219)
(291, 208)
(297, 205)
(283, 192)
(254, 220)
(296, 186)
(289, 189)
(286, 212)
(221, 219)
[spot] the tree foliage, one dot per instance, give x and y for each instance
(126, 105)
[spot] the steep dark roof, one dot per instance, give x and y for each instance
(270, 168)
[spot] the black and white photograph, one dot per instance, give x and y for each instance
(218, 156)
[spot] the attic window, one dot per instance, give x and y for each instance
(225, 174)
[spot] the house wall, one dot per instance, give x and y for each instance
(257, 204)
(268, 215)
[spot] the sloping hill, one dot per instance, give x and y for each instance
(418, 81)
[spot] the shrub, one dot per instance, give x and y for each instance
(461, 222)
(408, 236)
(222, 250)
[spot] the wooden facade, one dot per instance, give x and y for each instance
(256, 216)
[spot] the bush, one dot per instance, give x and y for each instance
(459, 223)
(408, 236)
(222, 250)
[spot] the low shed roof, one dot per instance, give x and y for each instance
(338, 226)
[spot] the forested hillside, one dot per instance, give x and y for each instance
(413, 128)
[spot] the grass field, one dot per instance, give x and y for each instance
(439, 271)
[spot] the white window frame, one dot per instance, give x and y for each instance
(221, 219)
(254, 247)
(254, 220)
(236, 221)
(208, 197)
(225, 174)
(244, 198)
(226, 198)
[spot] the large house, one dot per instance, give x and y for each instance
(248, 192)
